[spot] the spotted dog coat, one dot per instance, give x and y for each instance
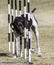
(18, 27)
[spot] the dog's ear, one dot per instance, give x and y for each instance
(33, 10)
(11, 26)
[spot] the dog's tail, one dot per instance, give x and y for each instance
(33, 10)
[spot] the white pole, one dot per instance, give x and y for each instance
(9, 43)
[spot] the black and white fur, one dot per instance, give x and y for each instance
(18, 27)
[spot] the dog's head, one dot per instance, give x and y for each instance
(18, 25)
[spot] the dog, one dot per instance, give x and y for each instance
(18, 27)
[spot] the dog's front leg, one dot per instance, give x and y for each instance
(17, 40)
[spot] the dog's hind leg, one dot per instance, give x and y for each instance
(35, 30)
(37, 40)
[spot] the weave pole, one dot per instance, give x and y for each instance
(21, 46)
(29, 32)
(15, 7)
(20, 12)
(12, 18)
(17, 42)
(20, 7)
(9, 43)
(25, 29)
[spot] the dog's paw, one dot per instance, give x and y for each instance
(33, 49)
(39, 54)
(14, 57)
